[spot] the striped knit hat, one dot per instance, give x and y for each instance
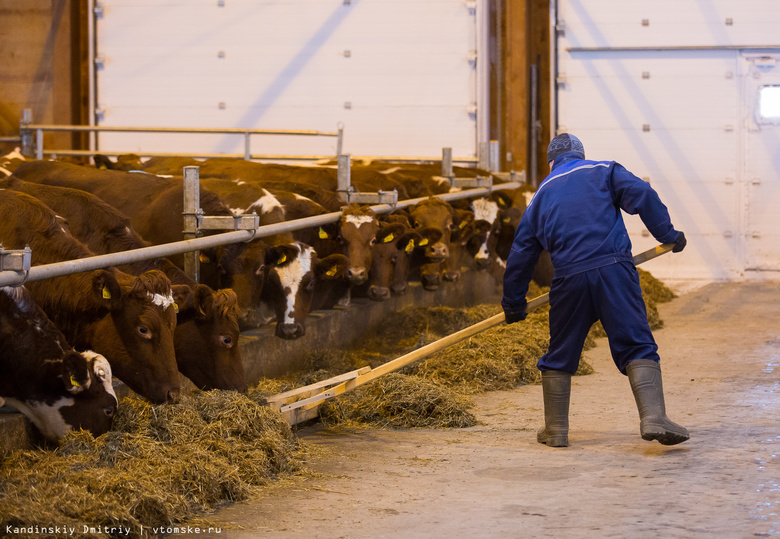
(564, 143)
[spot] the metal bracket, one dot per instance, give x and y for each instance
(16, 260)
(479, 181)
(382, 197)
(236, 222)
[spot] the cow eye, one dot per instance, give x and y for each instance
(144, 332)
(226, 341)
(373, 241)
(310, 285)
(109, 411)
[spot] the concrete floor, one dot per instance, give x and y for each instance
(720, 353)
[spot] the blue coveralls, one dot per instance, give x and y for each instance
(575, 216)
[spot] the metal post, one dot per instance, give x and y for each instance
(39, 144)
(26, 134)
(344, 182)
(493, 158)
(483, 155)
(190, 213)
(446, 163)
(340, 138)
(247, 147)
(535, 128)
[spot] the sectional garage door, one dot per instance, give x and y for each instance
(684, 94)
(400, 75)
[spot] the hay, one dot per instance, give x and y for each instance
(159, 465)
(400, 401)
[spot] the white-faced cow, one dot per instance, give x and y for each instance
(129, 320)
(206, 334)
(55, 387)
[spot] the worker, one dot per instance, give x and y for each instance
(575, 216)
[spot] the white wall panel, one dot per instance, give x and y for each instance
(397, 73)
(682, 117)
(670, 23)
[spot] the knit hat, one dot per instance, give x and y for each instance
(564, 143)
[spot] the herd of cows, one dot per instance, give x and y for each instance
(63, 339)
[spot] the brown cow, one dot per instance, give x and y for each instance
(206, 334)
(395, 243)
(154, 206)
(437, 214)
(129, 320)
(55, 387)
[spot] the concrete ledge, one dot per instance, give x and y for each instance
(267, 356)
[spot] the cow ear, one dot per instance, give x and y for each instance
(203, 301)
(502, 199)
(332, 267)
(463, 218)
(280, 255)
(408, 241)
(389, 232)
(182, 297)
(106, 288)
(482, 227)
(429, 235)
(75, 373)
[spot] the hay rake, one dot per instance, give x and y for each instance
(302, 404)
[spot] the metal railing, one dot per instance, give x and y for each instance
(31, 136)
(46, 271)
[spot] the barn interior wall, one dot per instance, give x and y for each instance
(42, 66)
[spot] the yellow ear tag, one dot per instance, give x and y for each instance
(175, 308)
(323, 235)
(505, 220)
(332, 271)
(106, 293)
(203, 258)
(388, 238)
(73, 382)
(462, 224)
(424, 241)
(410, 246)
(281, 260)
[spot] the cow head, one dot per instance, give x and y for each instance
(294, 271)
(137, 335)
(242, 267)
(389, 272)
(464, 227)
(433, 213)
(56, 388)
(358, 228)
(206, 339)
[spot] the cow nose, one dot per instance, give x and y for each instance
(398, 289)
(451, 275)
(173, 395)
(378, 293)
(430, 281)
(438, 251)
(290, 331)
(357, 275)
(482, 263)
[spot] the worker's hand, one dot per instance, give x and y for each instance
(680, 243)
(511, 318)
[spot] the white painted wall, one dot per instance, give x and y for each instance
(669, 89)
(399, 74)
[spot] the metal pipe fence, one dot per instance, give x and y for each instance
(46, 271)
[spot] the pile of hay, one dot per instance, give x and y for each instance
(400, 401)
(159, 465)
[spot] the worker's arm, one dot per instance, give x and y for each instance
(519, 269)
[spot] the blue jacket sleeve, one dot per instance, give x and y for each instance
(519, 269)
(635, 196)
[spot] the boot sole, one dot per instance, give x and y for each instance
(665, 437)
(553, 441)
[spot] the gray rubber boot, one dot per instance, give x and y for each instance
(645, 378)
(556, 386)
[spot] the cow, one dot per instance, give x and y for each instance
(206, 333)
(129, 320)
(395, 243)
(55, 387)
(154, 206)
(10, 161)
(437, 214)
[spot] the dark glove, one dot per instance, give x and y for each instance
(680, 243)
(511, 318)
